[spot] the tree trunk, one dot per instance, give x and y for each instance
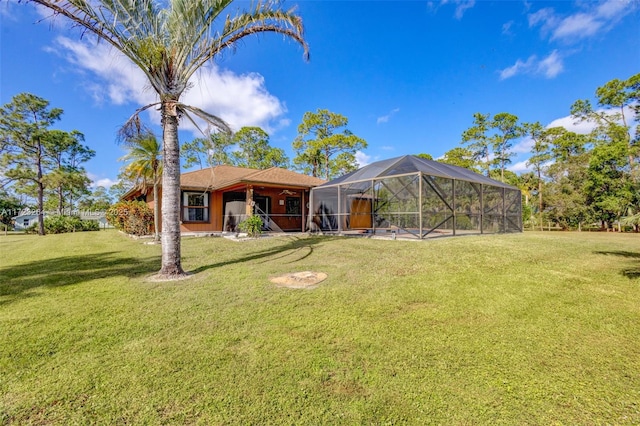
(156, 210)
(540, 199)
(326, 165)
(488, 165)
(60, 200)
(171, 266)
(40, 192)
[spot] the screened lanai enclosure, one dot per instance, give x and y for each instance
(415, 198)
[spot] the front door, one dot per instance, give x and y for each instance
(360, 216)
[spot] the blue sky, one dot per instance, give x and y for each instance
(409, 75)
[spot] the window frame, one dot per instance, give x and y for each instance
(185, 208)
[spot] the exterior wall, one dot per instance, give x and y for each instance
(278, 208)
(19, 221)
(278, 212)
(208, 226)
(215, 214)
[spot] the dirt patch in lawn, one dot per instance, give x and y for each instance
(305, 279)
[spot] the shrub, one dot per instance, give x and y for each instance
(132, 217)
(252, 226)
(59, 224)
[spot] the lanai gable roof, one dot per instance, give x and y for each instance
(220, 177)
(411, 164)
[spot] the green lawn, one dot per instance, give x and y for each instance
(534, 328)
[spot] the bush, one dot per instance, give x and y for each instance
(59, 224)
(132, 217)
(252, 226)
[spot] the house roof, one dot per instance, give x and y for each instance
(26, 216)
(220, 177)
(411, 164)
(224, 176)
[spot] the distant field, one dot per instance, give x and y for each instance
(533, 328)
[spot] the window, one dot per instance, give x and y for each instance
(195, 206)
(25, 222)
(293, 206)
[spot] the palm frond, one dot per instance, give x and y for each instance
(120, 23)
(170, 42)
(265, 17)
(144, 160)
(134, 127)
(210, 119)
(631, 220)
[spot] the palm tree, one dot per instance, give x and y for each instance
(169, 41)
(144, 167)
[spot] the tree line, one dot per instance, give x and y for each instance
(324, 147)
(41, 163)
(573, 178)
(576, 179)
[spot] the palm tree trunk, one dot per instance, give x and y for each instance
(156, 210)
(171, 266)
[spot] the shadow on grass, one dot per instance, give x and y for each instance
(296, 248)
(17, 281)
(632, 272)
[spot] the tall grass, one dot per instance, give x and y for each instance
(535, 328)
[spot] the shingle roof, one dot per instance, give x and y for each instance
(220, 177)
(278, 176)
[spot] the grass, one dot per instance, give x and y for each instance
(534, 328)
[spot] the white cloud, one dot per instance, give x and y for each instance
(104, 182)
(570, 123)
(519, 167)
(548, 67)
(506, 28)
(595, 18)
(386, 118)
(614, 8)
(461, 6)
(119, 81)
(519, 67)
(580, 25)
(546, 17)
(362, 159)
(524, 146)
(585, 127)
(240, 100)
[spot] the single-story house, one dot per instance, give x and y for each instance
(28, 218)
(25, 220)
(217, 199)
